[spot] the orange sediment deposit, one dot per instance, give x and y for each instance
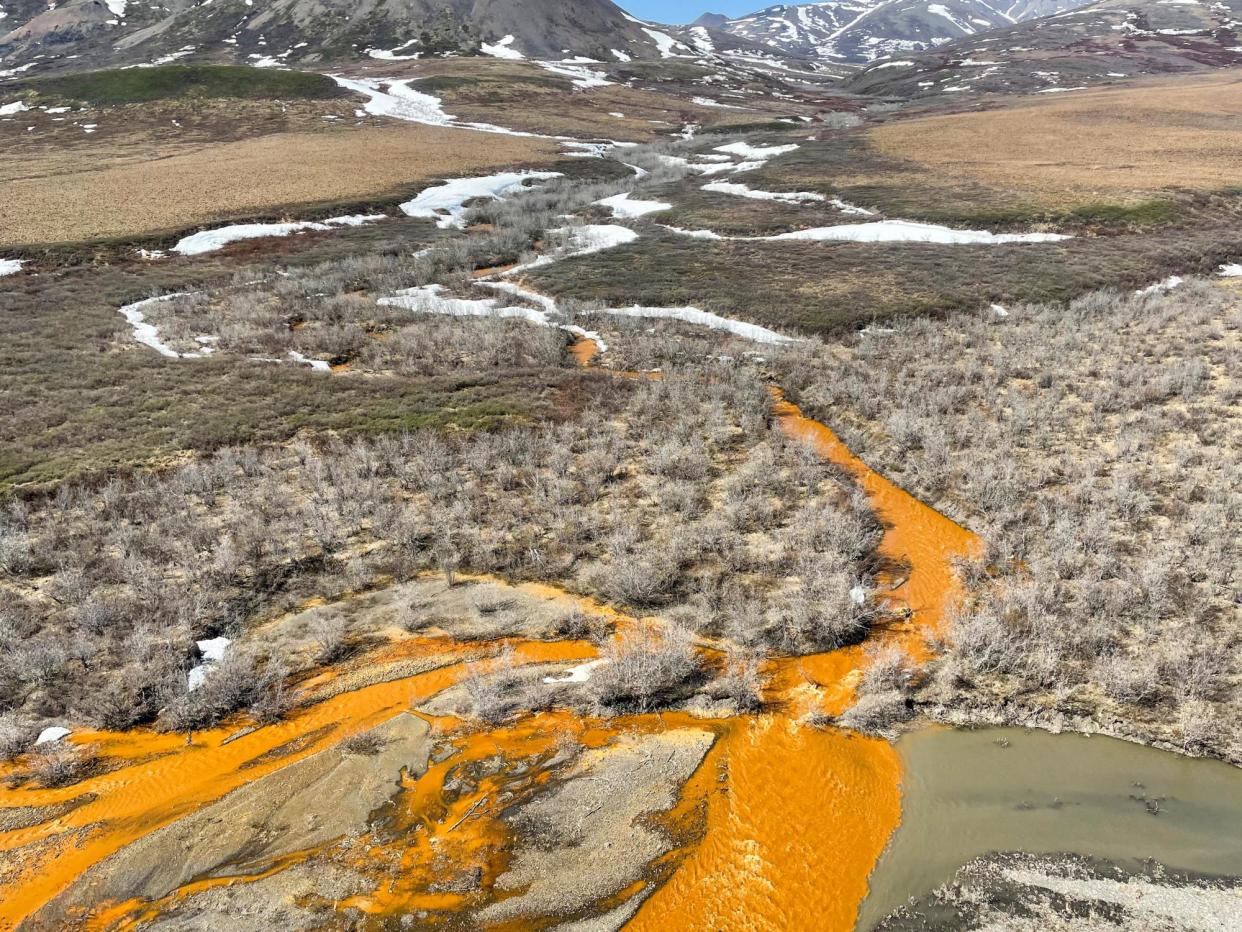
(448, 824)
(158, 777)
(584, 350)
(796, 819)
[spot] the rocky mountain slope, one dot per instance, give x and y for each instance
(864, 30)
(1105, 42)
(289, 31)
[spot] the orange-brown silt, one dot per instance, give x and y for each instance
(584, 350)
(158, 778)
(794, 830)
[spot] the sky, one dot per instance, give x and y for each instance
(683, 11)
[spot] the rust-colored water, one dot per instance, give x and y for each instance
(796, 819)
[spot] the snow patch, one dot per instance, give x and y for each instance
(741, 190)
(578, 674)
(52, 734)
(762, 153)
(16, 106)
(664, 42)
(1168, 284)
(446, 203)
(907, 231)
(319, 365)
(622, 205)
(1231, 270)
(502, 49)
(582, 78)
(210, 240)
(10, 266)
(692, 315)
(213, 651)
(148, 334)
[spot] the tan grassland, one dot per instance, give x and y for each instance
(98, 190)
(1172, 133)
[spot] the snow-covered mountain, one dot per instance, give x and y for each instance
(1106, 42)
(289, 31)
(865, 30)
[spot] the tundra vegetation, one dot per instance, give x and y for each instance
(673, 496)
(1093, 446)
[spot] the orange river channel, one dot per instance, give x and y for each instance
(791, 818)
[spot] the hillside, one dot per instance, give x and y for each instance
(293, 31)
(865, 30)
(1103, 43)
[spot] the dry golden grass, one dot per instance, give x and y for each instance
(97, 189)
(1184, 133)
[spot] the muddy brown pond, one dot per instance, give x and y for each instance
(966, 794)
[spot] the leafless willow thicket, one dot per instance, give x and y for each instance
(328, 312)
(1095, 450)
(673, 495)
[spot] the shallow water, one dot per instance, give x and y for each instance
(970, 793)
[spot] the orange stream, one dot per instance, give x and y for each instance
(791, 838)
(792, 818)
(584, 350)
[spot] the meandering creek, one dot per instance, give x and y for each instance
(779, 826)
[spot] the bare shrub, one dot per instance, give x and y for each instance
(877, 713)
(367, 744)
(61, 764)
(645, 666)
(741, 681)
(16, 736)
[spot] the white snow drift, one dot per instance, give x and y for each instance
(888, 231)
(622, 205)
(446, 203)
(692, 315)
(211, 240)
(10, 266)
(149, 335)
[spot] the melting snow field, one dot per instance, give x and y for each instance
(692, 315)
(400, 101)
(622, 205)
(147, 333)
(888, 231)
(446, 203)
(741, 190)
(213, 651)
(211, 240)
(10, 267)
